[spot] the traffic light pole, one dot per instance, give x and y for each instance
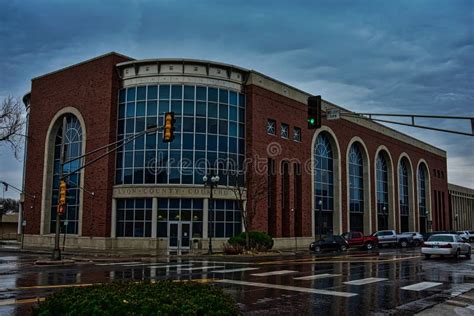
(57, 249)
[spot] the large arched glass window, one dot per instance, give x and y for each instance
(382, 191)
(403, 195)
(73, 149)
(324, 184)
(356, 188)
(422, 197)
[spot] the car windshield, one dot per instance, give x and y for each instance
(441, 238)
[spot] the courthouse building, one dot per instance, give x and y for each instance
(350, 174)
(461, 205)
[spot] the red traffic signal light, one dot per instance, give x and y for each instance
(168, 128)
(314, 112)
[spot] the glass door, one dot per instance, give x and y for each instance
(180, 235)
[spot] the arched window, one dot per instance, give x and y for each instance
(382, 191)
(403, 196)
(356, 188)
(422, 197)
(324, 184)
(72, 149)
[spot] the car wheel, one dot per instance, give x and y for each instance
(458, 253)
(468, 254)
(317, 249)
(343, 248)
(369, 246)
(403, 243)
(427, 256)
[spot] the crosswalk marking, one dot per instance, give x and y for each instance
(318, 276)
(279, 272)
(289, 288)
(365, 281)
(203, 268)
(234, 270)
(421, 286)
(117, 263)
(219, 262)
(170, 266)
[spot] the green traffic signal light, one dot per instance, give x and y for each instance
(311, 121)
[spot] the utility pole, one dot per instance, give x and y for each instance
(57, 249)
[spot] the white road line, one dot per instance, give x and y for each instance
(318, 276)
(143, 264)
(170, 266)
(364, 281)
(421, 286)
(279, 272)
(219, 262)
(203, 268)
(234, 270)
(289, 288)
(117, 263)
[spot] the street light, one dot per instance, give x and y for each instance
(320, 203)
(211, 182)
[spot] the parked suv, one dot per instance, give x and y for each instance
(417, 238)
(357, 239)
(390, 238)
(329, 243)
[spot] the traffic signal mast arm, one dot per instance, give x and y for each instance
(370, 116)
(120, 143)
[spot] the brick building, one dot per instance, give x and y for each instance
(461, 207)
(352, 173)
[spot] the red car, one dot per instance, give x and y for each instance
(357, 239)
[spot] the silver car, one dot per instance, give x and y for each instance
(446, 245)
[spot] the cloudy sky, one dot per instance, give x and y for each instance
(368, 56)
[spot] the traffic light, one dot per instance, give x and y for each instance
(62, 192)
(168, 129)
(314, 112)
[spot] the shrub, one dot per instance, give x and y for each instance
(140, 298)
(259, 241)
(234, 249)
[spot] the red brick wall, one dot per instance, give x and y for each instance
(263, 104)
(91, 88)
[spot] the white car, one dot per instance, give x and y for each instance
(446, 245)
(464, 235)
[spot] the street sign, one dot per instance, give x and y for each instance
(333, 114)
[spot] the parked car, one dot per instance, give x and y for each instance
(471, 235)
(446, 245)
(329, 243)
(464, 235)
(390, 237)
(357, 239)
(417, 238)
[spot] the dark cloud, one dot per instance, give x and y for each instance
(372, 56)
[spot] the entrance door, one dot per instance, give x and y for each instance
(180, 235)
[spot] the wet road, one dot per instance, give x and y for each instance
(391, 281)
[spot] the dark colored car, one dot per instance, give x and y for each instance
(329, 243)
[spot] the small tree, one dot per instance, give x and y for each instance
(248, 191)
(11, 124)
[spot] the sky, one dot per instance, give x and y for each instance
(409, 57)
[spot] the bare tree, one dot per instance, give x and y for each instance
(248, 191)
(11, 124)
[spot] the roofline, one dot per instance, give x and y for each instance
(81, 63)
(181, 60)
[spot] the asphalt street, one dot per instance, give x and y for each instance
(386, 281)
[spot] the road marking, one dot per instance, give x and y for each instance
(234, 270)
(219, 262)
(117, 263)
(170, 266)
(318, 276)
(289, 288)
(203, 268)
(323, 261)
(13, 301)
(279, 272)
(365, 281)
(144, 264)
(421, 286)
